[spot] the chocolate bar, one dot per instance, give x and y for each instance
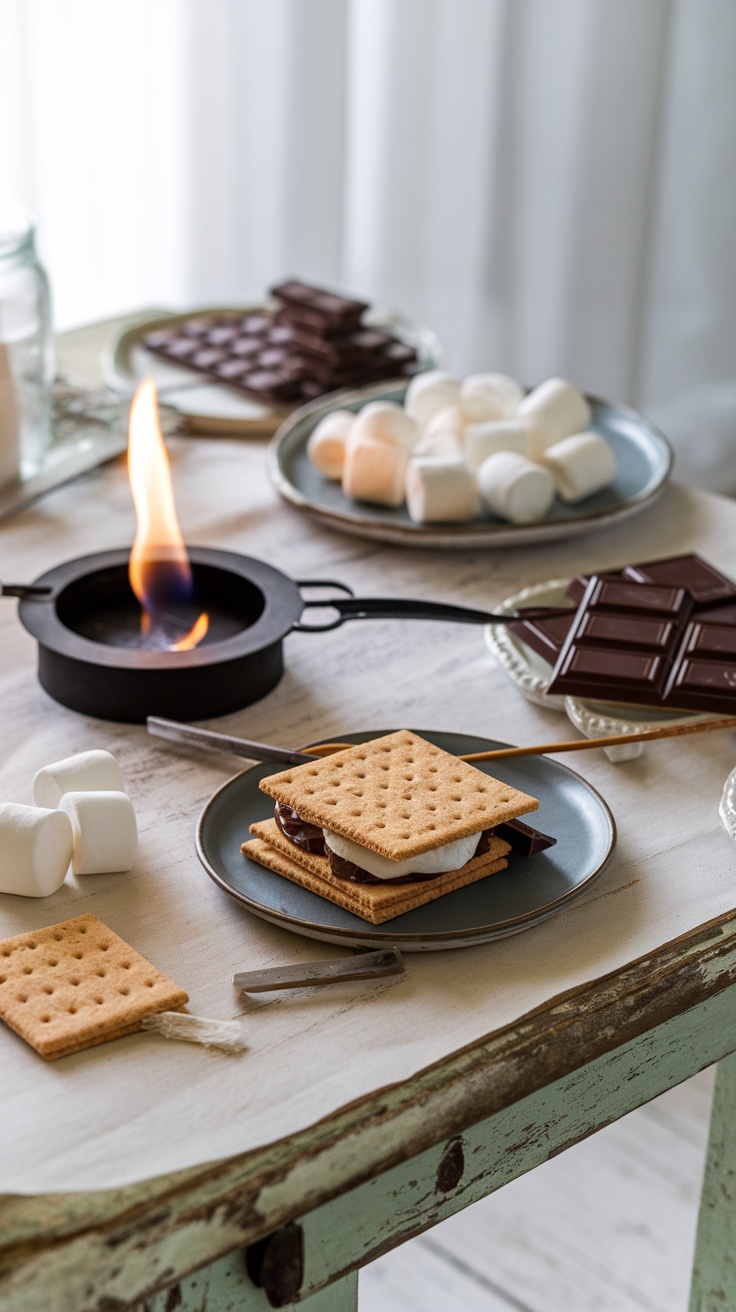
(312, 306)
(312, 344)
(649, 647)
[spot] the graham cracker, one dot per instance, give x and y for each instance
(373, 902)
(398, 795)
(77, 984)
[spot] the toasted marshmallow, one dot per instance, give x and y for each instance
(95, 772)
(580, 465)
(515, 488)
(105, 832)
(552, 411)
(440, 489)
(374, 471)
(485, 397)
(430, 392)
(382, 421)
(36, 847)
(451, 856)
(483, 440)
(327, 442)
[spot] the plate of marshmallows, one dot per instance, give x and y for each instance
(479, 461)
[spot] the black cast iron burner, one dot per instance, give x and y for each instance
(86, 619)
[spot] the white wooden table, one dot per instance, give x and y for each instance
(138, 1174)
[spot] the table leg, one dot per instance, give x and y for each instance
(225, 1286)
(713, 1287)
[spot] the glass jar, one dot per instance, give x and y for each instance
(26, 349)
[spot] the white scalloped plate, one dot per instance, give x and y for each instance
(531, 675)
(727, 808)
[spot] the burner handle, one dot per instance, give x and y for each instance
(27, 591)
(398, 608)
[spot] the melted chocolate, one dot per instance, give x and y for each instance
(308, 837)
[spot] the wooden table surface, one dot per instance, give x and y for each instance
(464, 1032)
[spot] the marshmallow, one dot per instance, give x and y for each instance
(552, 411)
(515, 488)
(430, 392)
(440, 489)
(35, 850)
(382, 421)
(451, 856)
(438, 444)
(91, 772)
(104, 829)
(374, 471)
(490, 396)
(483, 440)
(580, 465)
(326, 445)
(450, 420)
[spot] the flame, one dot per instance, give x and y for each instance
(159, 570)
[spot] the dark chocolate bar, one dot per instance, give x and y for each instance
(281, 358)
(646, 644)
(315, 307)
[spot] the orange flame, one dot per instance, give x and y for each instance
(159, 570)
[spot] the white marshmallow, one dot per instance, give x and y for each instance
(374, 471)
(90, 772)
(515, 488)
(490, 396)
(483, 440)
(105, 832)
(326, 444)
(580, 465)
(35, 849)
(451, 856)
(438, 444)
(552, 411)
(382, 421)
(430, 392)
(440, 489)
(450, 420)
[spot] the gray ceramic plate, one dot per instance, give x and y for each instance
(643, 456)
(530, 889)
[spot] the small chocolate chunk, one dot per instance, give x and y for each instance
(523, 839)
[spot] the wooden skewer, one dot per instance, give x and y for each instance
(574, 745)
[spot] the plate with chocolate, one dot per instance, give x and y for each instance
(473, 462)
(398, 840)
(242, 369)
(652, 642)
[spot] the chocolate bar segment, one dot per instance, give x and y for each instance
(623, 642)
(545, 637)
(703, 581)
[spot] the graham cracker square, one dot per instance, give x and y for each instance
(375, 903)
(398, 795)
(77, 984)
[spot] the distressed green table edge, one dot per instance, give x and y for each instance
(176, 1224)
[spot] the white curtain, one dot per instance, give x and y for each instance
(549, 184)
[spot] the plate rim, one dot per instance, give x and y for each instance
(378, 933)
(460, 536)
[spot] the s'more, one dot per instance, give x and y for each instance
(387, 825)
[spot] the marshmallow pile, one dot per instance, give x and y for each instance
(455, 444)
(82, 815)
